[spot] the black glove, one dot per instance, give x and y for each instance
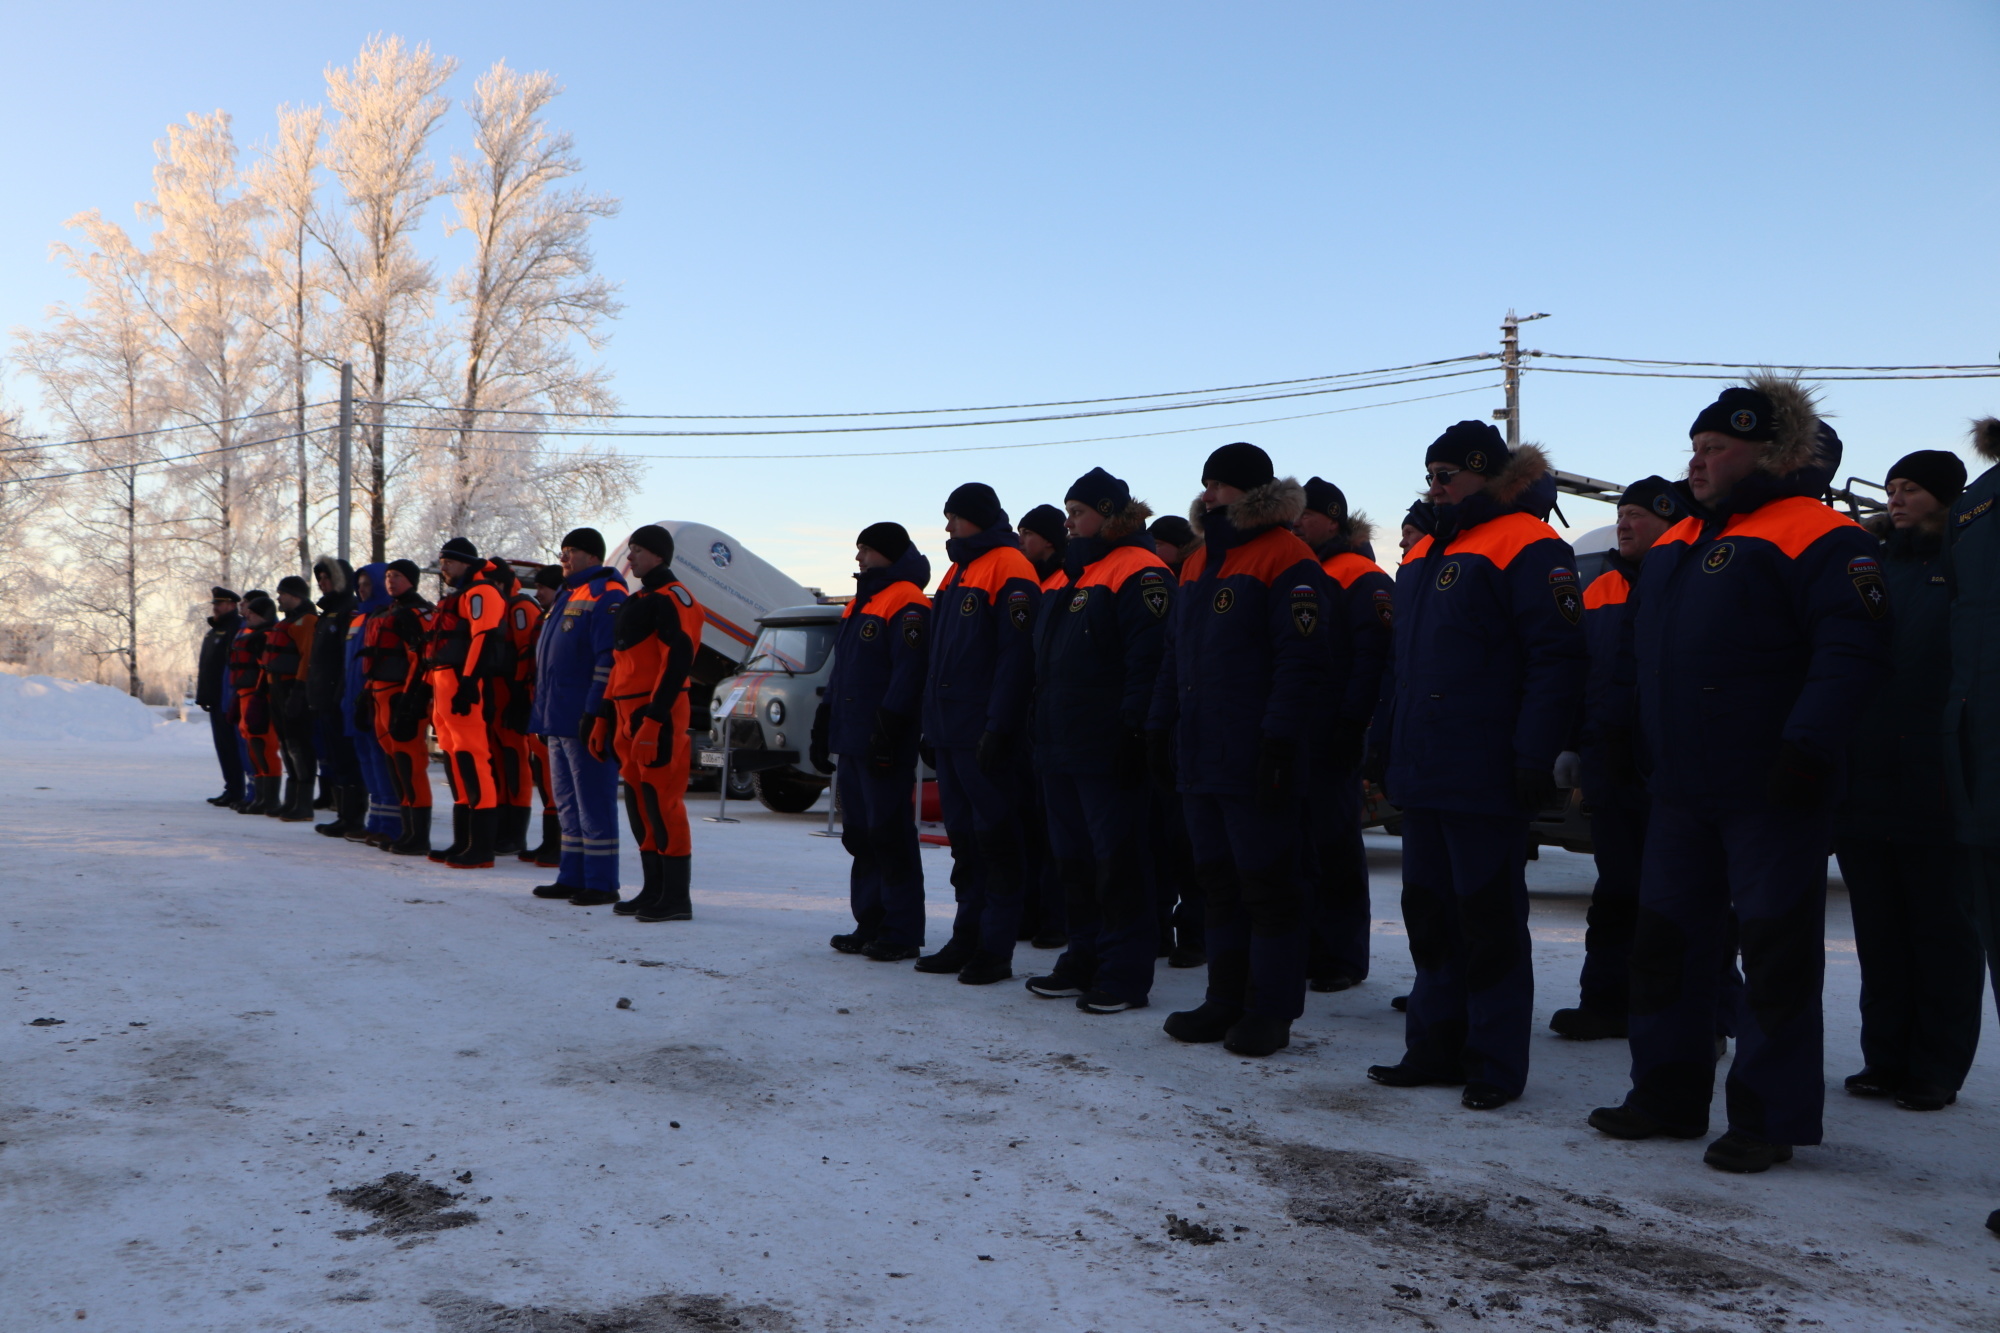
(817, 753)
(891, 733)
(1534, 789)
(1343, 751)
(1274, 779)
(1621, 756)
(520, 704)
(1130, 758)
(995, 748)
(1799, 780)
(466, 698)
(1160, 758)
(406, 717)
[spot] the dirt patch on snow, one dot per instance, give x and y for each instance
(460, 1313)
(402, 1205)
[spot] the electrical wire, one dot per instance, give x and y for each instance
(1987, 374)
(1748, 365)
(137, 464)
(166, 430)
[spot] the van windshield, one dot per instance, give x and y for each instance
(796, 650)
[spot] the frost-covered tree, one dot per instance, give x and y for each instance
(286, 184)
(388, 104)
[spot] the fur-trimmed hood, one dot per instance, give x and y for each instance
(1525, 486)
(1799, 443)
(1274, 504)
(1132, 518)
(1986, 438)
(1357, 535)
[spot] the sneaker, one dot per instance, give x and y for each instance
(592, 897)
(1483, 1097)
(1332, 983)
(1744, 1155)
(852, 942)
(1057, 986)
(1873, 1083)
(1258, 1035)
(562, 891)
(1914, 1096)
(1186, 955)
(982, 971)
(1104, 1002)
(881, 951)
(1582, 1024)
(1628, 1122)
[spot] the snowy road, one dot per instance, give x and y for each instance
(775, 1136)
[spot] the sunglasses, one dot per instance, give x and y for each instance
(1441, 476)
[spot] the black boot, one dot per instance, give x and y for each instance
(458, 836)
(511, 830)
(289, 787)
(349, 812)
(477, 854)
(649, 886)
(300, 809)
(253, 802)
(329, 795)
(1228, 980)
(1584, 1024)
(416, 839)
(674, 903)
(550, 852)
(230, 796)
(957, 952)
(1257, 1034)
(1743, 1155)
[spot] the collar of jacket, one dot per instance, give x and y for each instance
(1536, 499)
(1913, 544)
(412, 598)
(659, 576)
(582, 577)
(334, 603)
(1083, 552)
(964, 550)
(1629, 568)
(1751, 494)
(378, 595)
(227, 623)
(911, 567)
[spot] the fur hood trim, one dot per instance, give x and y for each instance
(1529, 464)
(1132, 518)
(335, 571)
(1274, 504)
(1796, 446)
(1359, 530)
(1986, 438)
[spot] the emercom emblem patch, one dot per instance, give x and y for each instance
(1305, 609)
(1153, 591)
(1866, 574)
(1562, 582)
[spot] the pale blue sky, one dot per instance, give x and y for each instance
(864, 206)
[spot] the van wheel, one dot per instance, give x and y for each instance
(787, 793)
(742, 786)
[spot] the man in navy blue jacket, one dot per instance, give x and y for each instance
(1246, 657)
(1615, 803)
(1097, 654)
(975, 713)
(1481, 698)
(870, 720)
(1361, 613)
(1759, 629)
(572, 667)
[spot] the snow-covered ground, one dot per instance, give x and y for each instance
(776, 1136)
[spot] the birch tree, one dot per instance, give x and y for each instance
(528, 300)
(100, 368)
(286, 184)
(389, 105)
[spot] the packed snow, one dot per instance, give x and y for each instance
(46, 708)
(257, 1079)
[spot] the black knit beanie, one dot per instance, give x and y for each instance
(549, 576)
(891, 541)
(460, 549)
(1746, 414)
(260, 605)
(1099, 490)
(407, 568)
(1244, 466)
(656, 539)
(1046, 522)
(1473, 446)
(1171, 530)
(294, 585)
(588, 540)
(1940, 472)
(976, 503)
(1655, 495)
(1323, 497)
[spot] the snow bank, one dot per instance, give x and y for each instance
(43, 708)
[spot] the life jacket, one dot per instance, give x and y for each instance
(393, 640)
(467, 631)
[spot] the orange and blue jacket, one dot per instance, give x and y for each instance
(1607, 615)
(654, 636)
(1098, 645)
(1246, 653)
(1765, 623)
(1489, 664)
(1361, 610)
(573, 651)
(881, 653)
(981, 670)
(468, 635)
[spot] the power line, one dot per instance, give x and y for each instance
(1749, 365)
(166, 430)
(137, 464)
(1985, 374)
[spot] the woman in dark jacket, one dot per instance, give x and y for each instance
(1913, 933)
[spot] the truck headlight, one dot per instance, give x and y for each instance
(775, 711)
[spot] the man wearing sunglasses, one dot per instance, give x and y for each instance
(1481, 695)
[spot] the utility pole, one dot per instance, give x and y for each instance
(1510, 365)
(346, 454)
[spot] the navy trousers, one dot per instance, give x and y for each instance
(1094, 834)
(1250, 861)
(1342, 914)
(586, 792)
(1921, 964)
(228, 751)
(1618, 843)
(1465, 906)
(878, 827)
(1178, 901)
(982, 817)
(337, 759)
(1770, 865)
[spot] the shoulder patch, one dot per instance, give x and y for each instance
(1385, 607)
(1153, 590)
(913, 627)
(1020, 609)
(1973, 512)
(1865, 572)
(1305, 609)
(870, 627)
(681, 595)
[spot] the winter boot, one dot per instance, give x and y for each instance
(882, 951)
(300, 809)
(1258, 1035)
(649, 886)
(459, 825)
(477, 854)
(674, 903)
(254, 802)
(1744, 1155)
(342, 812)
(1626, 1121)
(1228, 978)
(957, 952)
(229, 797)
(1581, 1024)
(558, 891)
(289, 786)
(416, 839)
(983, 969)
(510, 837)
(853, 941)
(1483, 1097)
(329, 795)
(550, 852)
